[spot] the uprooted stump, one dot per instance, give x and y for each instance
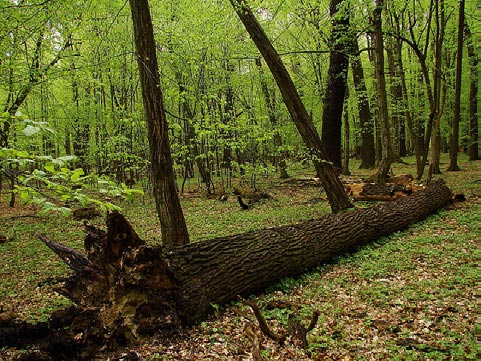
(137, 290)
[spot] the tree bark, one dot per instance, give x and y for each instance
(473, 149)
(413, 42)
(137, 290)
(385, 163)
(397, 106)
(172, 222)
(413, 132)
(439, 89)
(336, 84)
(325, 170)
(347, 137)
(368, 156)
(453, 150)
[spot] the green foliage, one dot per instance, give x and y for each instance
(57, 185)
(209, 80)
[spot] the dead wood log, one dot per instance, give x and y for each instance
(302, 182)
(393, 179)
(139, 289)
(377, 192)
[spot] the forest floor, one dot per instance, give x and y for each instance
(409, 296)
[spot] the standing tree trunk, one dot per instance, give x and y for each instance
(347, 137)
(473, 96)
(439, 91)
(338, 199)
(453, 165)
(398, 109)
(385, 163)
(368, 156)
(173, 226)
(336, 84)
(431, 94)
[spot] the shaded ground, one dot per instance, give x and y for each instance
(409, 296)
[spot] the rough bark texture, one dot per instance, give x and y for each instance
(368, 157)
(453, 149)
(385, 163)
(173, 227)
(473, 96)
(334, 96)
(137, 290)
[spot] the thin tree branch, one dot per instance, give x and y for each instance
(262, 322)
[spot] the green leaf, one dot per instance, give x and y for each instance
(77, 173)
(50, 168)
(24, 195)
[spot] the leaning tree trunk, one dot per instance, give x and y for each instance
(304, 124)
(136, 290)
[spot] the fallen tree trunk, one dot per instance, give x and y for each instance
(138, 289)
(377, 192)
